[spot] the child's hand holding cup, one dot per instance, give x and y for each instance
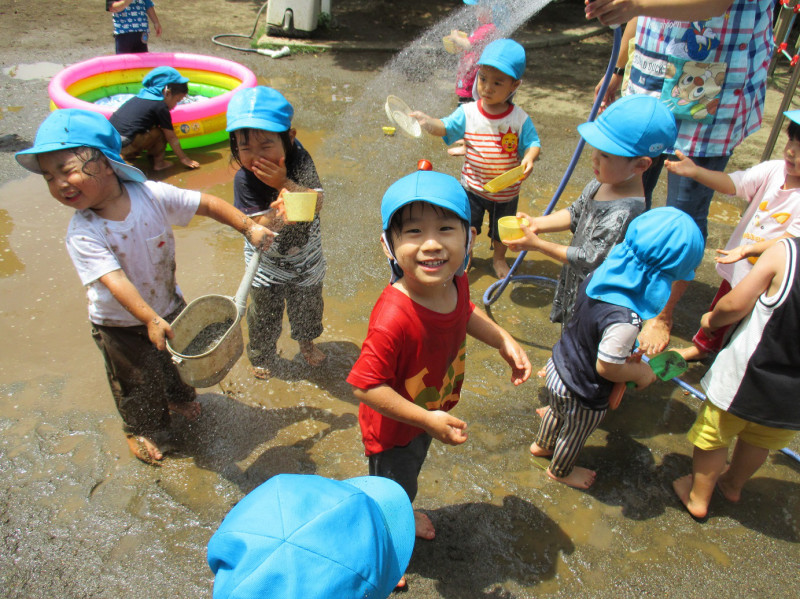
(296, 206)
(516, 231)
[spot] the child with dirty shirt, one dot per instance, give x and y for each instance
(291, 273)
(772, 191)
(411, 368)
(498, 136)
(121, 243)
(625, 138)
(145, 124)
(595, 349)
(751, 388)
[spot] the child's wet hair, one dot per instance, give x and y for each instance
(87, 155)
(396, 224)
(245, 133)
(793, 131)
(177, 88)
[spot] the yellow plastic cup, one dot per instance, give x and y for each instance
(510, 228)
(300, 205)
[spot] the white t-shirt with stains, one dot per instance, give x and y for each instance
(142, 246)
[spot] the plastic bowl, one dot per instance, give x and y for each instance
(300, 205)
(510, 228)
(507, 179)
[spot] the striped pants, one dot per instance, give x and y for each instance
(566, 425)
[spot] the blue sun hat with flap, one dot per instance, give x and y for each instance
(156, 80)
(310, 537)
(635, 125)
(424, 185)
(793, 115)
(507, 56)
(259, 107)
(74, 128)
(661, 246)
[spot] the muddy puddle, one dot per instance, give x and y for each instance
(83, 518)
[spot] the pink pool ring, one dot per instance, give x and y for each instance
(199, 123)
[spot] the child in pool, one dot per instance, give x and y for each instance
(751, 388)
(409, 374)
(290, 274)
(121, 243)
(145, 124)
(594, 352)
(498, 136)
(772, 190)
(625, 138)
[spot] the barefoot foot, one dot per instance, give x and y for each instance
(540, 452)
(542, 372)
(655, 335)
(692, 353)
(161, 165)
(579, 478)
(402, 584)
(458, 149)
(729, 491)
(542, 412)
(188, 409)
(145, 449)
(683, 489)
(501, 268)
(312, 354)
(423, 526)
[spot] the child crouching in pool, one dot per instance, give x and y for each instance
(120, 241)
(290, 274)
(594, 352)
(411, 368)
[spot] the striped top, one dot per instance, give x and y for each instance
(495, 143)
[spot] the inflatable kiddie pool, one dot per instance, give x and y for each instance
(196, 124)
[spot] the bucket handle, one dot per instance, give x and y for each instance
(244, 287)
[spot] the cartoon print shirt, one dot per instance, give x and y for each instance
(417, 352)
(142, 246)
(772, 212)
(495, 143)
(711, 74)
(133, 18)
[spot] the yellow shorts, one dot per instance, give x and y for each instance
(716, 428)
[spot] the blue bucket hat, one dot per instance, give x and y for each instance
(74, 128)
(793, 115)
(661, 246)
(302, 535)
(635, 125)
(259, 108)
(156, 80)
(506, 56)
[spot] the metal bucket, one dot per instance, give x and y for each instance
(212, 363)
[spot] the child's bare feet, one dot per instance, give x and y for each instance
(542, 412)
(161, 165)
(401, 584)
(312, 354)
(692, 353)
(423, 526)
(683, 489)
(542, 372)
(579, 478)
(728, 490)
(501, 268)
(145, 449)
(655, 335)
(458, 149)
(540, 452)
(188, 409)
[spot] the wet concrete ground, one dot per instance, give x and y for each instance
(80, 517)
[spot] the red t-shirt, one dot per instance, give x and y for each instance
(417, 352)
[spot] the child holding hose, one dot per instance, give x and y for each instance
(120, 241)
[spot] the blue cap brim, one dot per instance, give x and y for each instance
(593, 134)
(28, 160)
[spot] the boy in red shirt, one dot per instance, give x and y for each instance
(411, 367)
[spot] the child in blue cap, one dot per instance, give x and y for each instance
(145, 124)
(411, 368)
(121, 243)
(751, 388)
(772, 191)
(594, 352)
(498, 136)
(302, 536)
(625, 138)
(291, 273)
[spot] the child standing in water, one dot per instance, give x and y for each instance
(121, 243)
(594, 352)
(290, 274)
(498, 136)
(772, 190)
(625, 138)
(751, 388)
(409, 374)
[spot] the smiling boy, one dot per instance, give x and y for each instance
(411, 368)
(498, 136)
